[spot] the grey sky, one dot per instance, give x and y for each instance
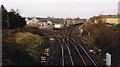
(62, 8)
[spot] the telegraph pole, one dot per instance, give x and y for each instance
(118, 31)
(8, 20)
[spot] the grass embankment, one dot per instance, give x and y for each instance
(21, 46)
(103, 37)
(30, 43)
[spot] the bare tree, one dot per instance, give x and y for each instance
(18, 11)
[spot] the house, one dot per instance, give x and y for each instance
(113, 20)
(33, 20)
(49, 22)
(36, 22)
(110, 19)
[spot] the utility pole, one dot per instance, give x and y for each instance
(8, 20)
(118, 31)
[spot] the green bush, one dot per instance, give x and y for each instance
(12, 54)
(31, 30)
(116, 26)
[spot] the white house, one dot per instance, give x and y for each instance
(33, 20)
(49, 22)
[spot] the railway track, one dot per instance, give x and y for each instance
(72, 36)
(72, 52)
(66, 58)
(86, 58)
(84, 55)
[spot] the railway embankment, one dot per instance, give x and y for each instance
(23, 46)
(101, 38)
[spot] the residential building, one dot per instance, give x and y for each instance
(111, 19)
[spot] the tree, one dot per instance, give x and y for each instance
(17, 11)
(16, 20)
(12, 19)
(4, 17)
(77, 18)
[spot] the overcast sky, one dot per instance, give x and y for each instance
(62, 8)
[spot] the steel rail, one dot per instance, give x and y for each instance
(78, 53)
(95, 63)
(75, 31)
